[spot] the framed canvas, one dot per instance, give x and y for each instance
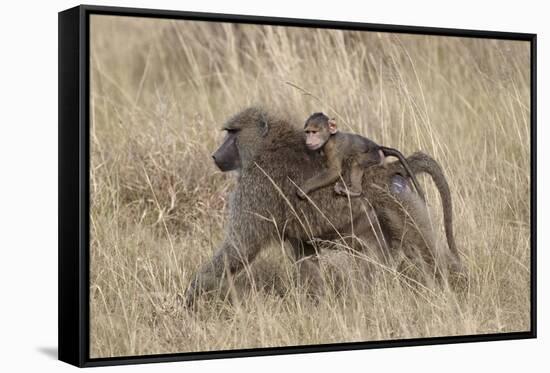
(236, 186)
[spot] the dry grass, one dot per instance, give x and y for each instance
(160, 91)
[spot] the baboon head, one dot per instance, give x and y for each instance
(248, 132)
(318, 129)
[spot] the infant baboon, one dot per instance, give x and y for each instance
(322, 134)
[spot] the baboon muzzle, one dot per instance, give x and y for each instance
(227, 157)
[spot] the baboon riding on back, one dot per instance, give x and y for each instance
(272, 161)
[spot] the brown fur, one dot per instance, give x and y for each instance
(264, 207)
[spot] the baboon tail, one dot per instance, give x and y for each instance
(422, 163)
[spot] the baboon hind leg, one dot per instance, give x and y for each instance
(356, 178)
(357, 169)
(307, 265)
(410, 231)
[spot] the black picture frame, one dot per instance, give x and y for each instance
(74, 312)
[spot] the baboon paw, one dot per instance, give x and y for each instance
(341, 189)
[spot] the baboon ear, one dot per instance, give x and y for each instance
(264, 128)
(332, 127)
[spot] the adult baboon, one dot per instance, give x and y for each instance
(272, 160)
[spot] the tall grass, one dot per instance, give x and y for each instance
(161, 90)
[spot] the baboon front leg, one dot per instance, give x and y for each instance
(319, 181)
(229, 259)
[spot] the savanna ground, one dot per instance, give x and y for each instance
(161, 90)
